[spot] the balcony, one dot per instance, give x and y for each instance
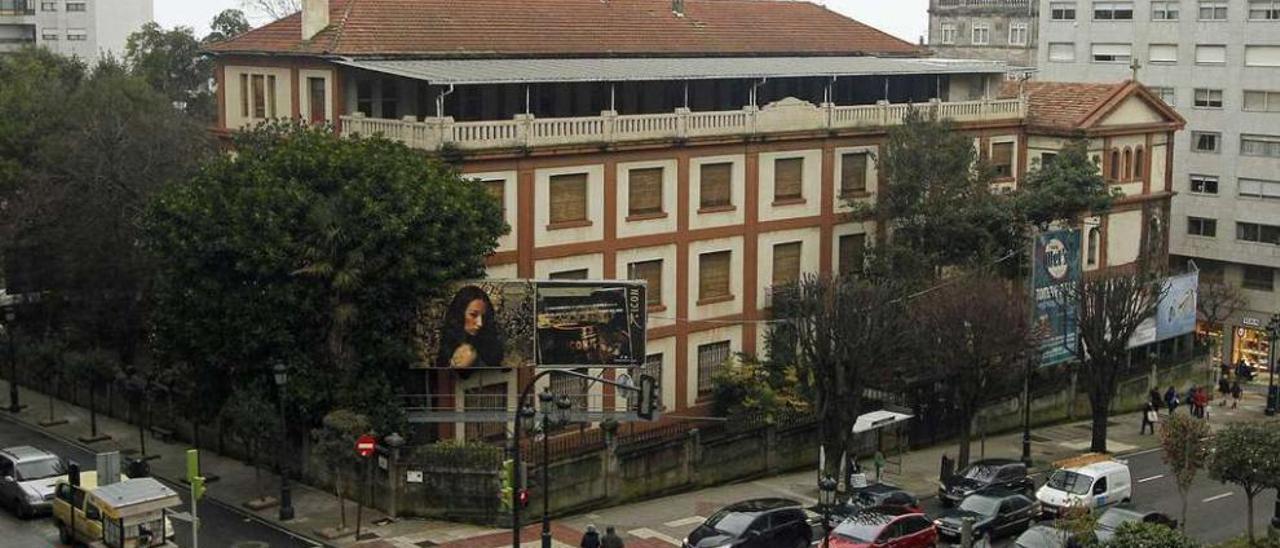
(17, 7)
(785, 116)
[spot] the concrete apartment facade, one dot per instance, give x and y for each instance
(999, 30)
(1218, 63)
(82, 28)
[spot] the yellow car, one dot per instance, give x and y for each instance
(129, 514)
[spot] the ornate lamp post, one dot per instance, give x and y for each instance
(827, 498)
(281, 374)
(560, 407)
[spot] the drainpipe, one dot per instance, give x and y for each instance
(753, 90)
(526, 99)
(440, 101)
(613, 97)
(686, 94)
(827, 98)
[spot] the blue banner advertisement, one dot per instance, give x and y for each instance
(1056, 265)
(1175, 313)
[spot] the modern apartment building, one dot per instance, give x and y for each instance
(1218, 63)
(82, 28)
(1000, 30)
(694, 144)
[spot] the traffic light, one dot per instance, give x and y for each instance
(508, 490)
(193, 474)
(649, 398)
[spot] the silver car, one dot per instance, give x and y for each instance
(28, 477)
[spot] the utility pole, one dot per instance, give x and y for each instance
(197, 490)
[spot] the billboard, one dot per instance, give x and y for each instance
(1056, 266)
(505, 324)
(1175, 313)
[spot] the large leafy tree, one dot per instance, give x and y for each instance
(1149, 535)
(315, 251)
(227, 24)
(1247, 455)
(1185, 440)
(1064, 188)
(171, 62)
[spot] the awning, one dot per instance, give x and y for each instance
(878, 419)
(518, 71)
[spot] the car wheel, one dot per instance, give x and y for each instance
(64, 535)
(23, 510)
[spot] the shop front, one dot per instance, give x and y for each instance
(1250, 343)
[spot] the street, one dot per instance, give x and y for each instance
(221, 526)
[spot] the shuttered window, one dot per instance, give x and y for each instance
(852, 249)
(651, 273)
(1002, 159)
(786, 263)
(713, 275)
(1262, 56)
(568, 198)
(711, 360)
(853, 173)
(644, 188)
(1211, 55)
(244, 95)
(498, 189)
(787, 176)
(259, 96)
(715, 187)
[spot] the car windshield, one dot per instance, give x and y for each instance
(980, 472)
(733, 523)
(1114, 518)
(1071, 482)
(38, 469)
(979, 504)
(864, 527)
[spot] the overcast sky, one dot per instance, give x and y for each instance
(906, 19)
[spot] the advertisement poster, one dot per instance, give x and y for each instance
(1175, 313)
(504, 324)
(1057, 264)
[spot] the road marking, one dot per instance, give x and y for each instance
(1152, 478)
(651, 534)
(691, 520)
(1217, 497)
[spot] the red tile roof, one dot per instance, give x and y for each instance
(579, 28)
(1062, 104)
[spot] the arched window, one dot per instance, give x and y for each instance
(1128, 163)
(1140, 167)
(1095, 242)
(1113, 170)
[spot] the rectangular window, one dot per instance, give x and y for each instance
(48, 6)
(1211, 55)
(1260, 145)
(1213, 10)
(1163, 53)
(575, 388)
(713, 276)
(786, 263)
(271, 96)
(77, 35)
(244, 95)
(853, 173)
(75, 6)
(1113, 11)
(852, 252)
(1166, 94)
(1262, 101)
(497, 188)
(1254, 232)
(1164, 10)
(1002, 159)
(1208, 98)
(1112, 53)
(1062, 11)
(568, 198)
(1262, 56)
(259, 96)
(1047, 158)
(788, 179)
(364, 97)
(653, 368)
(1259, 278)
(981, 34)
(50, 35)
(1205, 141)
(390, 99)
(1204, 184)
(711, 360)
(317, 98)
(948, 31)
(1062, 52)
(1017, 34)
(1264, 10)
(577, 274)
(1200, 226)
(651, 273)
(644, 191)
(1258, 188)
(714, 186)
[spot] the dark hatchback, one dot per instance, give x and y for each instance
(1005, 474)
(995, 512)
(758, 523)
(883, 495)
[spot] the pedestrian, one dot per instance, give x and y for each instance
(1243, 371)
(611, 539)
(1191, 401)
(1202, 401)
(1235, 393)
(591, 539)
(1171, 399)
(1226, 370)
(1149, 419)
(1154, 399)
(1224, 390)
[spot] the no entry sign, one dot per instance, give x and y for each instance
(365, 445)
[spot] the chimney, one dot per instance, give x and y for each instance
(677, 7)
(315, 17)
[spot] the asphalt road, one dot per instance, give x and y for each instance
(221, 527)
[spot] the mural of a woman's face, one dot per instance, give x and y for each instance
(473, 319)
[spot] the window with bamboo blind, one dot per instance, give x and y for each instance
(644, 189)
(568, 198)
(713, 275)
(498, 189)
(853, 173)
(651, 273)
(715, 185)
(786, 263)
(788, 174)
(579, 274)
(1002, 159)
(852, 252)
(711, 360)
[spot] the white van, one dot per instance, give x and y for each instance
(1091, 486)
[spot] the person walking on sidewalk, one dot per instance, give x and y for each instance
(1235, 393)
(1149, 419)
(611, 539)
(1202, 401)
(1224, 390)
(1171, 399)
(1153, 397)
(591, 539)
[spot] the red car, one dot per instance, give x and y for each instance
(884, 528)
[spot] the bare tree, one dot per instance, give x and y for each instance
(1218, 301)
(977, 336)
(271, 9)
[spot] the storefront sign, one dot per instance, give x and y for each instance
(413, 476)
(1057, 265)
(1252, 322)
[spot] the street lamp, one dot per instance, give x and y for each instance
(1273, 392)
(827, 498)
(281, 373)
(1026, 410)
(561, 407)
(14, 405)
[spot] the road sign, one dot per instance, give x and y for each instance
(365, 445)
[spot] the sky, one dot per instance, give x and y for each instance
(906, 19)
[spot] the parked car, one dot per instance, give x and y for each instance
(884, 495)
(884, 526)
(758, 523)
(1045, 536)
(1114, 517)
(1005, 474)
(1095, 485)
(995, 512)
(28, 477)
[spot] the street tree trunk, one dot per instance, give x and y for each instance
(1099, 443)
(966, 437)
(93, 412)
(1183, 524)
(342, 506)
(1248, 494)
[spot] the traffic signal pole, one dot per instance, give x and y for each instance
(197, 490)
